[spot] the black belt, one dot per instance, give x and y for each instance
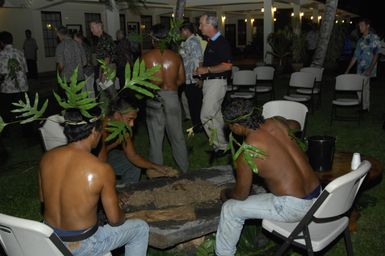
(215, 77)
(81, 236)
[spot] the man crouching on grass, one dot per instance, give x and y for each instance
(292, 184)
(72, 181)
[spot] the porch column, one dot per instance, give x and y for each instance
(268, 27)
(221, 22)
(112, 23)
(296, 19)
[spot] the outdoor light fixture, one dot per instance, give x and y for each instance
(252, 21)
(301, 14)
(319, 17)
(245, 20)
(274, 9)
(311, 17)
(336, 21)
(292, 14)
(351, 22)
(275, 19)
(223, 19)
(262, 9)
(343, 21)
(173, 15)
(49, 26)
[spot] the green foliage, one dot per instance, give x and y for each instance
(2, 124)
(213, 136)
(140, 76)
(173, 38)
(249, 153)
(280, 42)
(207, 247)
(299, 48)
(76, 98)
(117, 129)
(135, 37)
(108, 72)
(30, 113)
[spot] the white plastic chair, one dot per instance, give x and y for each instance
(231, 87)
(52, 132)
(351, 84)
(326, 219)
(287, 109)
(265, 80)
(244, 79)
(22, 237)
(318, 72)
(301, 80)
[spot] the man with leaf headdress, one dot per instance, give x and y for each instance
(73, 181)
(164, 112)
(120, 151)
(270, 151)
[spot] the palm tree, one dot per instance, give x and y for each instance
(180, 4)
(325, 32)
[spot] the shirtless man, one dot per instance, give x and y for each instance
(292, 184)
(164, 112)
(122, 155)
(72, 181)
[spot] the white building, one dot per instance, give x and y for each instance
(238, 19)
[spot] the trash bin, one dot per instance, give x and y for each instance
(321, 152)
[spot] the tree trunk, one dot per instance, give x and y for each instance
(179, 11)
(325, 32)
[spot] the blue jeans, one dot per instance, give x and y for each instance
(128, 172)
(133, 235)
(261, 206)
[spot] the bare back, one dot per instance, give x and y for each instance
(72, 181)
(172, 71)
(286, 170)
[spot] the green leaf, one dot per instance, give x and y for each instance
(127, 73)
(117, 130)
(2, 124)
(141, 90)
(29, 113)
(135, 72)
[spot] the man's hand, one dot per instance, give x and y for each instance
(201, 71)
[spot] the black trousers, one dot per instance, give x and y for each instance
(32, 69)
(194, 97)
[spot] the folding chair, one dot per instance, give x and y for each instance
(287, 109)
(52, 132)
(231, 87)
(326, 219)
(244, 80)
(265, 80)
(348, 84)
(22, 237)
(301, 80)
(318, 72)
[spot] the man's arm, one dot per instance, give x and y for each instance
(109, 198)
(137, 159)
(352, 62)
(243, 183)
(224, 66)
(59, 58)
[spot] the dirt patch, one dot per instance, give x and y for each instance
(178, 193)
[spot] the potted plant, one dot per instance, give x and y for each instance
(298, 51)
(280, 43)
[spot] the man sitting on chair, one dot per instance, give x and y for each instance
(72, 181)
(292, 184)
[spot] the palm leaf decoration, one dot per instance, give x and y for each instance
(249, 153)
(117, 129)
(139, 80)
(173, 38)
(76, 98)
(300, 142)
(108, 71)
(30, 113)
(2, 124)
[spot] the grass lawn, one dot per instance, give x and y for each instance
(18, 175)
